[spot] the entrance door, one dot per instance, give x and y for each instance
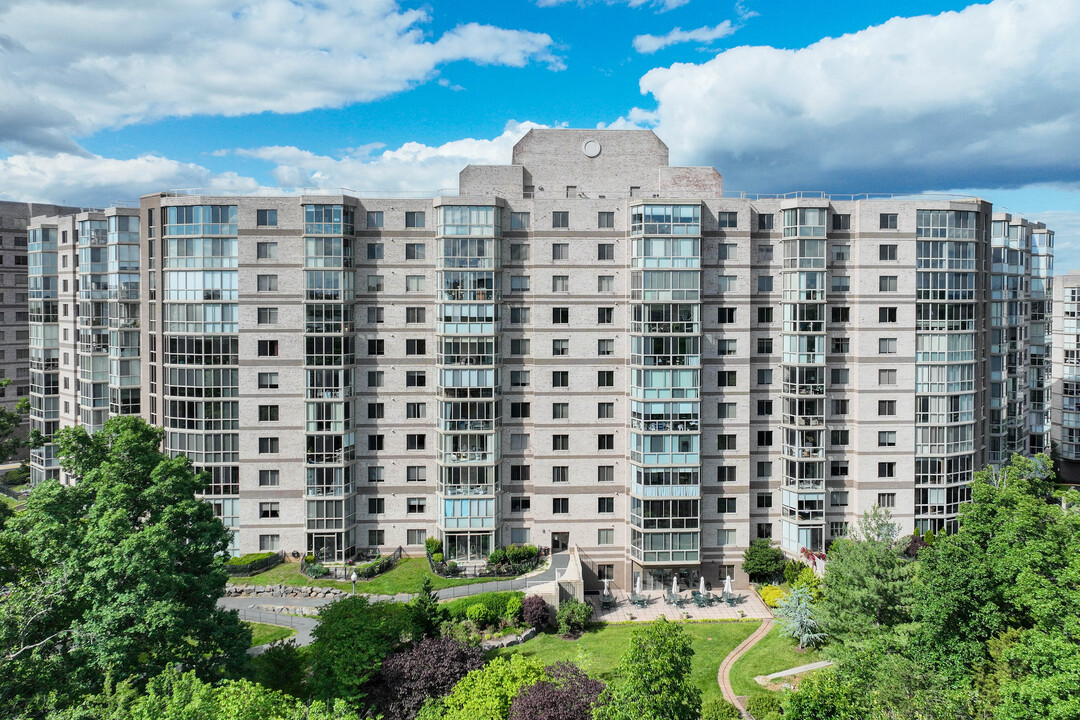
(560, 541)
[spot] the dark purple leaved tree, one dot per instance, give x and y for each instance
(569, 695)
(425, 670)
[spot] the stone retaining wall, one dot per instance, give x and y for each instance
(282, 591)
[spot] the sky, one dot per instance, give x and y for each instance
(102, 101)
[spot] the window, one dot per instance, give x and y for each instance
(887, 346)
(764, 438)
(605, 283)
(725, 536)
(886, 438)
(764, 376)
(519, 315)
(727, 251)
(605, 536)
(886, 500)
(560, 442)
(520, 346)
(268, 348)
(375, 378)
(519, 221)
(376, 506)
(268, 413)
(605, 220)
(841, 283)
(838, 498)
(839, 438)
(886, 470)
(726, 505)
(560, 506)
(605, 410)
(605, 347)
(375, 411)
(375, 442)
(266, 218)
(764, 315)
(765, 221)
(520, 410)
(519, 283)
(416, 473)
(415, 251)
(887, 221)
(266, 250)
(837, 529)
(840, 406)
(605, 251)
(605, 315)
(416, 347)
(764, 253)
(887, 283)
(764, 500)
(840, 253)
(519, 253)
(269, 510)
(519, 441)
(374, 314)
(560, 315)
(560, 219)
(765, 283)
(376, 347)
(560, 378)
(841, 314)
(415, 505)
(764, 346)
(415, 315)
(415, 536)
(725, 315)
(764, 530)
(560, 411)
(374, 251)
(838, 468)
(726, 378)
(887, 252)
(725, 410)
(886, 377)
(269, 478)
(727, 219)
(414, 219)
(725, 442)
(560, 473)
(266, 283)
(520, 473)
(520, 503)
(415, 378)
(560, 283)
(375, 474)
(841, 222)
(725, 283)
(519, 378)
(560, 347)
(764, 408)
(376, 538)
(886, 407)
(605, 441)
(414, 283)
(605, 378)
(886, 314)
(268, 381)
(840, 345)
(560, 251)
(267, 316)
(374, 219)
(725, 473)
(605, 505)
(374, 283)
(839, 376)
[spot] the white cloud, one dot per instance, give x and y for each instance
(71, 67)
(661, 5)
(986, 95)
(651, 43)
(744, 13)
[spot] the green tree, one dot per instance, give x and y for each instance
(10, 422)
(427, 613)
(795, 614)
(352, 639)
(762, 560)
(654, 678)
(486, 694)
(119, 574)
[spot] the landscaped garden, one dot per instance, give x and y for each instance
(405, 577)
(773, 653)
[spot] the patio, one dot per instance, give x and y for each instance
(748, 603)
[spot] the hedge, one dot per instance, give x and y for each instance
(457, 610)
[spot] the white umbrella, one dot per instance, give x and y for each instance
(675, 585)
(606, 591)
(637, 589)
(701, 585)
(727, 586)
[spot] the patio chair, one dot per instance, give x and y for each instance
(729, 599)
(701, 601)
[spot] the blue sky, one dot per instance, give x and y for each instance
(104, 100)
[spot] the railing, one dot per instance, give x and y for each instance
(267, 618)
(256, 567)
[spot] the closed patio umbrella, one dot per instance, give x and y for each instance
(637, 585)
(675, 585)
(701, 585)
(727, 586)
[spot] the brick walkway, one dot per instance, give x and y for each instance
(722, 677)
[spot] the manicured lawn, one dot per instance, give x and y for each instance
(261, 633)
(405, 577)
(772, 654)
(599, 650)
(10, 502)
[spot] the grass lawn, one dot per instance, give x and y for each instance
(405, 577)
(10, 502)
(772, 654)
(261, 633)
(599, 650)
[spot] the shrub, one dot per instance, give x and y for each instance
(567, 694)
(762, 560)
(452, 568)
(519, 554)
(436, 557)
(497, 557)
(495, 602)
(536, 612)
(761, 705)
(573, 617)
(808, 579)
(792, 570)
(719, 709)
(479, 616)
(250, 558)
(280, 667)
(513, 610)
(430, 668)
(771, 595)
(433, 545)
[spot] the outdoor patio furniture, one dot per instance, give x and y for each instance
(639, 600)
(729, 599)
(673, 599)
(701, 601)
(607, 602)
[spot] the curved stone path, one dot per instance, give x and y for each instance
(722, 678)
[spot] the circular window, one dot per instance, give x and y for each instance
(591, 148)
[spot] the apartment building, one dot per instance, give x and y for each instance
(586, 347)
(1066, 377)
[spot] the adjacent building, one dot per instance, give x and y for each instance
(586, 347)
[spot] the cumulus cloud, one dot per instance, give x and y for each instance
(651, 43)
(661, 5)
(70, 67)
(986, 95)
